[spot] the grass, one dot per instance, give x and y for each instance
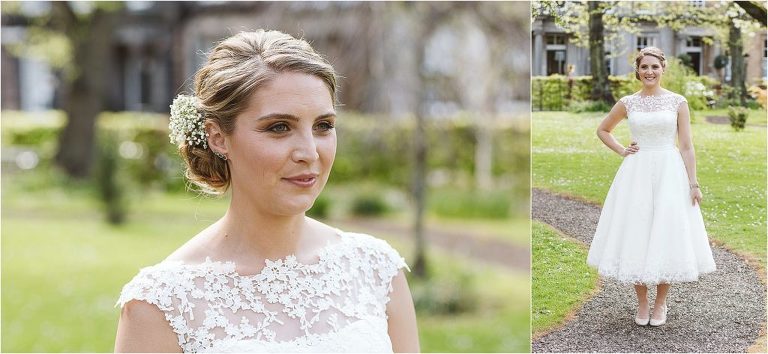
(500, 321)
(731, 168)
(755, 116)
(63, 268)
(514, 228)
(452, 203)
(561, 278)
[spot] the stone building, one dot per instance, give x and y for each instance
(554, 51)
(157, 47)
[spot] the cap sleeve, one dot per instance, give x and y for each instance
(626, 101)
(168, 289)
(150, 285)
(681, 100)
(384, 263)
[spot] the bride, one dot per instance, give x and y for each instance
(651, 232)
(264, 277)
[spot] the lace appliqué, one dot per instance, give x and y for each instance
(653, 119)
(665, 102)
(288, 304)
(651, 272)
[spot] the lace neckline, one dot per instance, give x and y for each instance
(289, 261)
(663, 94)
(286, 306)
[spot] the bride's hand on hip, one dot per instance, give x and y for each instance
(631, 149)
(696, 196)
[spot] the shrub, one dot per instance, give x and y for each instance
(445, 296)
(321, 208)
(759, 93)
(738, 117)
(588, 106)
(454, 203)
(368, 203)
(108, 180)
(721, 61)
(371, 148)
(555, 92)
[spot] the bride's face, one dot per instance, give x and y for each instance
(650, 71)
(284, 144)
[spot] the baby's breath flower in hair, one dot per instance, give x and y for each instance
(187, 123)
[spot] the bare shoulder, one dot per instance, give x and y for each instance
(143, 328)
(196, 249)
(323, 232)
(401, 315)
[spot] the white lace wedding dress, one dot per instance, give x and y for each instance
(337, 304)
(649, 232)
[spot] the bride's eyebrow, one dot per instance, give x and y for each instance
(292, 117)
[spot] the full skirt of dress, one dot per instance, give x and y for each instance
(649, 232)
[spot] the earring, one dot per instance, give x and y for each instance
(220, 155)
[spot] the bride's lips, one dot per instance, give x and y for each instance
(304, 180)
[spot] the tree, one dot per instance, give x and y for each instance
(574, 17)
(738, 72)
(82, 91)
(754, 9)
(427, 18)
(740, 19)
(601, 89)
(75, 42)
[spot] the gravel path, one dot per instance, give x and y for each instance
(723, 312)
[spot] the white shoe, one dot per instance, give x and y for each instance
(654, 322)
(642, 321)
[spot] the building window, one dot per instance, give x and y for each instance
(765, 58)
(608, 63)
(556, 54)
(693, 50)
(555, 39)
(645, 41)
(693, 42)
(697, 3)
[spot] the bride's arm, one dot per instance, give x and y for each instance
(685, 142)
(402, 317)
(143, 328)
(617, 113)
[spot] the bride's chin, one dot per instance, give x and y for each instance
(650, 83)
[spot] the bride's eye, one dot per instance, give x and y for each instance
(279, 128)
(324, 126)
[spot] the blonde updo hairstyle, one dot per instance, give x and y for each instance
(236, 68)
(649, 51)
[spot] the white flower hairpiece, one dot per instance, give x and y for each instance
(187, 123)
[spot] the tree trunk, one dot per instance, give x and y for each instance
(83, 95)
(419, 267)
(426, 17)
(601, 89)
(755, 10)
(738, 71)
(483, 153)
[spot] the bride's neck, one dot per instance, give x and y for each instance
(651, 90)
(248, 231)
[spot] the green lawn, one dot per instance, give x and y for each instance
(567, 157)
(561, 277)
(757, 117)
(63, 268)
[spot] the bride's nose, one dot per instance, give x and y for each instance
(305, 148)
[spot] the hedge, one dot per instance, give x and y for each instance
(371, 148)
(558, 93)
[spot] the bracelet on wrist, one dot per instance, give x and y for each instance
(694, 185)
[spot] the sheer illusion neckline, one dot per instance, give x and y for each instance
(640, 95)
(288, 261)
